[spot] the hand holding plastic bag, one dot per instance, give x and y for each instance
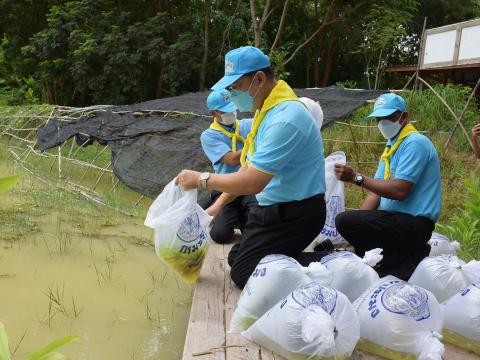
(181, 230)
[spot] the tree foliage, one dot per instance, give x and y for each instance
(81, 52)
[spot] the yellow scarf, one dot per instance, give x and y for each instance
(280, 93)
(235, 136)
(389, 151)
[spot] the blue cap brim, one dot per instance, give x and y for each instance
(230, 107)
(381, 113)
(226, 81)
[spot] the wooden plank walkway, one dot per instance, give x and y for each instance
(213, 303)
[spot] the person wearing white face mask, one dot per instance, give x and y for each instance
(404, 198)
(223, 142)
(283, 164)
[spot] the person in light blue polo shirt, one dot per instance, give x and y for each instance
(283, 164)
(223, 142)
(405, 195)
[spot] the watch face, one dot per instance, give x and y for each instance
(359, 177)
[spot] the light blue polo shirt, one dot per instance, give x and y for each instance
(289, 146)
(216, 144)
(415, 160)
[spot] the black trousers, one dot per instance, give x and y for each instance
(285, 228)
(402, 237)
(234, 214)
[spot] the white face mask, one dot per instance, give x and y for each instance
(389, 128)
(228, 118)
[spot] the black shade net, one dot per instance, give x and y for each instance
(150, 145)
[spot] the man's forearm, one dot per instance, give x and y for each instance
(476, 147)
(371, 202)
(239, 183)
(390, 189)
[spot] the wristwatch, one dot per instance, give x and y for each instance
(359, 179)
(203, 179)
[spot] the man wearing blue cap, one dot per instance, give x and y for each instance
(283, 164)
(404, 198)
(223, 142)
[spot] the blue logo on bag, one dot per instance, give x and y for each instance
(406, 299)
(334, 207)
(189, 229)
(316, 294)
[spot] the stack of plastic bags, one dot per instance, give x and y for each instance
(181, 230)
(274, 278)
(400, 321)
(462, 318)
(440, 244)
(445, 275)
(352, 275)
(312, 322)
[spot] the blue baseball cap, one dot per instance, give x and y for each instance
(387, 104)
(220, 100)
(239, 62)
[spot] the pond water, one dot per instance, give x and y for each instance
(71, 267)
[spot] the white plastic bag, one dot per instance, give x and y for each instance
(399, 320)
(334, 199)
(181, 230)
(445, 275)
(462, 319)
(351, 274)
(313, 322)
(274, 278)
(440, 244)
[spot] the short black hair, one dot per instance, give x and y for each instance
(268, 71)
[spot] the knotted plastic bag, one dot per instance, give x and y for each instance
(181, 230)
(445, 275)
(440, 244)
(352, 275)
(462, 318)
(274, 278)
(312, 322)
(400, 321)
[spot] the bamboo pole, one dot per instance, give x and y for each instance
(461, 116)
(450, 110)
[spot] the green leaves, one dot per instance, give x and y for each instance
(45, 353)
(465, 227)
(7, 182)
(4, 350)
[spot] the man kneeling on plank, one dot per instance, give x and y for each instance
(404, 198)
(283, 164)
(223, 142)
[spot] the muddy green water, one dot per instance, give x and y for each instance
(69, 267)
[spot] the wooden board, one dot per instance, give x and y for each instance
(214, 301)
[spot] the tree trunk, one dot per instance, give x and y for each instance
(255, 23)
(258, 24)
(327, 72)
(280, 27)
(203, 68)
(317, 51)
(377, 76)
